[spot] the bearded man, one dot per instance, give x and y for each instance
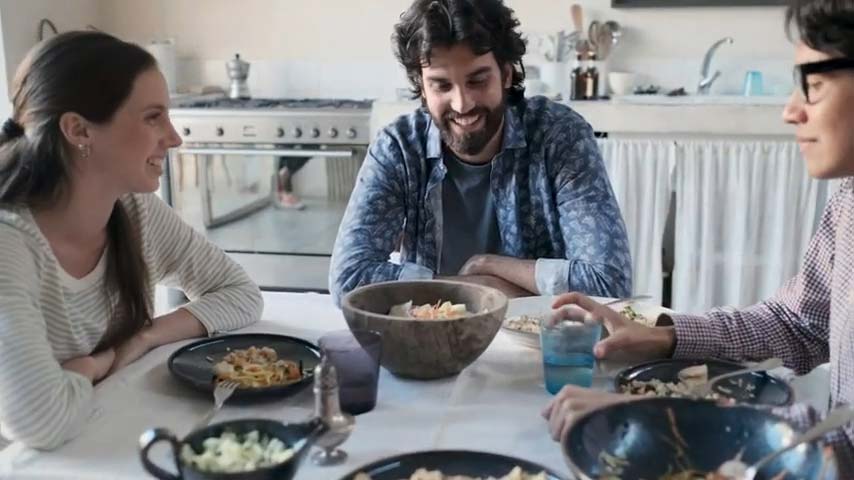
(480, 184)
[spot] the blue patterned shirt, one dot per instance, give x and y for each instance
(552, 196)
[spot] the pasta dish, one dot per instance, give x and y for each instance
(438, 311)
(424, 474)
(690, 378)
(531, 323)
(257, 367)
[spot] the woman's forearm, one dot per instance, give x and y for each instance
(172, 327)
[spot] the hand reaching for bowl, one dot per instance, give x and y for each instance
(572, 402)
(627, 339)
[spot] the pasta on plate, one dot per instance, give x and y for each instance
(255, 367)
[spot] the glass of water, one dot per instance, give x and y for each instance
(567, 337)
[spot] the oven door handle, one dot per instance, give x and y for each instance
(286, 152)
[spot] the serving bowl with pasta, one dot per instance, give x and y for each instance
(437, 327)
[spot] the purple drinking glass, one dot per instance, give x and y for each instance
(356, 357)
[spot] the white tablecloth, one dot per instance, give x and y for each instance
(493, 406)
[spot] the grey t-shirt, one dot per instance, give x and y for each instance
(469, 224)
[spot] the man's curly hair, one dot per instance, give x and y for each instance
(484, 25)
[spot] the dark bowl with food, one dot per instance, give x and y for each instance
(448, 462)
(757, 388)
(426, 349)
(279, 465)
(684, 439)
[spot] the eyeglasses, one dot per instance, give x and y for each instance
(804, 70)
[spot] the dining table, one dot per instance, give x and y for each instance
(493, 405)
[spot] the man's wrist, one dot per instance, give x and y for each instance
(487, 265)
(668, 343)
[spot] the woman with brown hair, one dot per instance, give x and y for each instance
(84, 240)
(808, 321)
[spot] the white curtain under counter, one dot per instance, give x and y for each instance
(640, 176)
(744, 214)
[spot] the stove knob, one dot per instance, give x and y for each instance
(351, 133)
(280, 132)
(297, 132)
(333, 132)
(219, 131)
(315, 132)
(185, 131)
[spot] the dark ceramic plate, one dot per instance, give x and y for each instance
(754, 388)
(450, 462)
(193, 364)
(656, 436)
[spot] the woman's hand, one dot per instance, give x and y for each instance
(132, 349)
(94, 367)
(571, 402)
(627, 339)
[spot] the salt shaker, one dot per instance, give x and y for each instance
(328, 409)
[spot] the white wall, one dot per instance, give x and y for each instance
(342, 47)
(19, 21)
(336, 47)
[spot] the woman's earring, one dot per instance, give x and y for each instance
(85, 150)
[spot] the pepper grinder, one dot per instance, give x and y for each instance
(328, 409)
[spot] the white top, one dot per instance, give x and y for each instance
(47, 316)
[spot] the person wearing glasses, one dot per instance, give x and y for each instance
(808, 321)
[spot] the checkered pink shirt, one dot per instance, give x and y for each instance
(808, 322)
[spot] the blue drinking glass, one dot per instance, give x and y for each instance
(567, 338)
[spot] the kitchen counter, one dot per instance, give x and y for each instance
(667, 116)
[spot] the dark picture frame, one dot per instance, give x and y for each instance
(696, 3)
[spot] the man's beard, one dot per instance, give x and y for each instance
(471, 143)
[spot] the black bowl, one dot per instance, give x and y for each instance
(758, 388)
(449, 462)
(193, 364)
(656, 436)
(298, 436)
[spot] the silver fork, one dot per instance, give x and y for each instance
(221, 393)
(629, 300)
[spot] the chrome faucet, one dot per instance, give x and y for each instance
(706, 80)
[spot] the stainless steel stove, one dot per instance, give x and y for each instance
(232, 176)
(263, 120)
